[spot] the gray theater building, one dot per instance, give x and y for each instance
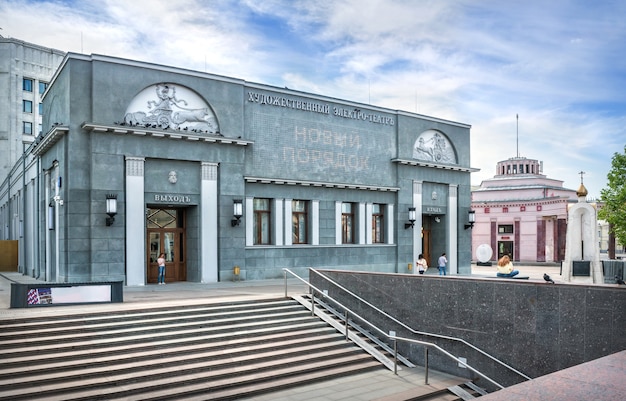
(230, 179)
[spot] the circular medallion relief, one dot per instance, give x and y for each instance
(434, 146)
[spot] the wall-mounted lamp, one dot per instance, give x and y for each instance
(471, 218)
(111, 208)
(411, 222)
(237, 212)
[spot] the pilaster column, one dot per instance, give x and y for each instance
(453, 228)
(135, 222)
(288, 224)
(278, 221)
(338, 223)
(208, 223)
(315, 222)
(417, 230)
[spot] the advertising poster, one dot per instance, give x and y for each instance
(69, 295)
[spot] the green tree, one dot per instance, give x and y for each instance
(614, 197)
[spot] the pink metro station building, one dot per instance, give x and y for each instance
(521, 212)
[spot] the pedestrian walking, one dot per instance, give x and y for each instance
(441, 263)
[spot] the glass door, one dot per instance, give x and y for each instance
(505, 248)
(166, 234)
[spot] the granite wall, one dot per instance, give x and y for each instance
(535, 327)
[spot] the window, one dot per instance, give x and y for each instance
(41, 109)
(28, 128)
(347, 223)
(27, 85)
(299, 217)
(378, 223)
(42, 87)
(27, 106)
(165, 218)
(262, 219)
(505, 229)
(40, 129)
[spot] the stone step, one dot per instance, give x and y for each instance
(161, 325)
(166, 355)
(196, 352)
(133, 314)
(42, 325)
(177, 379)
(61, 372)
(301, 333)
(256, 387)
(149, 334)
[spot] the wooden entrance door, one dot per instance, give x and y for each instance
(166, 234)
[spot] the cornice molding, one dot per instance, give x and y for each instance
(418, 163)
(280, 181)
(159, 133)
(53, 136)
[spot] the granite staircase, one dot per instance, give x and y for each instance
(210, 352)
(222, 351)
(462, 391)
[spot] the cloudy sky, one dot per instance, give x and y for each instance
(560, 64)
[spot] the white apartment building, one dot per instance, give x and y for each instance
(25, 71)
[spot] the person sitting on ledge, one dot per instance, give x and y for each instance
(505, 267)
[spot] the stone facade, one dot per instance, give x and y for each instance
(26, 69)
(322, 182)
(535, 327)
(521, 212)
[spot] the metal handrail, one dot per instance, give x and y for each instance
(391, 337)
(421, 332)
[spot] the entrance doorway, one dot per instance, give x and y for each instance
(166, 234)
(505, 248)
(433, 233)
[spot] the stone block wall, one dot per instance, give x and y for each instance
(534, 327)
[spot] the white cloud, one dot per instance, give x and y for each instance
(557, 64)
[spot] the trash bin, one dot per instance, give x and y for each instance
(612, 268)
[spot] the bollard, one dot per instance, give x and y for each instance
(236, 272)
